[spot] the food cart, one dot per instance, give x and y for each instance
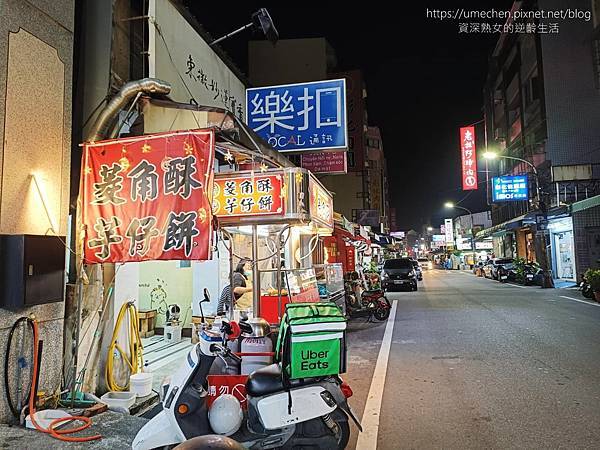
(286, 210)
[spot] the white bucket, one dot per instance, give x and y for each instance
(44, 418)
(141, 384)
(118, 399)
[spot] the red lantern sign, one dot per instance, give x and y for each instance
(469, 158)
(145, 198)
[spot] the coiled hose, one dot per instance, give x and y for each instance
(135, 360)
(13, 408)
(57, 434)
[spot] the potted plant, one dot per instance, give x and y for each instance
(520, 269)
(593, 277)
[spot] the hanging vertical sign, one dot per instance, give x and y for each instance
(146, 198)
(449, 231)
(469, 158)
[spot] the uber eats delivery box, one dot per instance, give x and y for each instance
(312, 340)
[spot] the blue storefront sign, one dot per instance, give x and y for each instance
(300, 117)
(510, 188)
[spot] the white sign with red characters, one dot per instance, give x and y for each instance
(469, 158)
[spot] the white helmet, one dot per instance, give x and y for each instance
(225, 415)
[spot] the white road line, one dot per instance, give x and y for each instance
(580, 301)
(367, 440)
(516, 285)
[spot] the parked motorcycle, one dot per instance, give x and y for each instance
(532, 274)
(371, 304)
(311, 411)
(586, 288)
(503, 274)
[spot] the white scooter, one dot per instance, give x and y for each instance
(307, 413)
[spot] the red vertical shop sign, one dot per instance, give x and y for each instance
(146, 198)
(469, 158)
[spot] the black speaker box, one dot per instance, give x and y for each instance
(32, 270)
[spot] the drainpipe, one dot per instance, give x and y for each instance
(99, 131)
(129, 90)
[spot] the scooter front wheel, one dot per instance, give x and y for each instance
(381, 313)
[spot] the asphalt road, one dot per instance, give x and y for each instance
(478, 364)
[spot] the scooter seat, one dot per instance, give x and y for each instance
(372, 293)
(268, 381)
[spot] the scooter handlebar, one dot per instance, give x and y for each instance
(224, 351)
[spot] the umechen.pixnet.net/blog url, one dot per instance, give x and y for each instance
(508, 21)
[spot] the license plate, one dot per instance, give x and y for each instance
(398, 281)
(529, 277)
(503, 277)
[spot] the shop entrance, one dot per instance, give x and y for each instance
(565, 261)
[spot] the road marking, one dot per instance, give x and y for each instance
(516, 285)
(580, 301)
(367, 440)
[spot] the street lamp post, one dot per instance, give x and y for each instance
(540, 204)
(452, 205)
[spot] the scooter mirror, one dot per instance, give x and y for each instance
(206, 296)
(245, 327)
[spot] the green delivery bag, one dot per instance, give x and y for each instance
(312, 341)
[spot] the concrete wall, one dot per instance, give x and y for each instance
(586, 227)
(571, 97)
(345, 188)
(36, 44)
(288, 61)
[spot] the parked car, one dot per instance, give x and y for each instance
(398, 273)
(493, 266)
(418, 270)
(478, 268)
(425, 263)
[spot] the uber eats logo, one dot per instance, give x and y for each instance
(311, 360)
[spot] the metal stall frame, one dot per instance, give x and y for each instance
(301, 207)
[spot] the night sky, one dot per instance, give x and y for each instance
(424, 80)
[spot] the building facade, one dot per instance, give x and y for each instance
(36, 42)
(542, 105)
(361, 192)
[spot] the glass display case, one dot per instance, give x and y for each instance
(330, 281)
(297, 286)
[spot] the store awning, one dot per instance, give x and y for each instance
(512, 224)
(585, 204)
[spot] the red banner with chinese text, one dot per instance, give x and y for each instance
(469, 158)
(248, 195)
(145, 198)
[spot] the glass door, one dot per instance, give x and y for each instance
(565, 257)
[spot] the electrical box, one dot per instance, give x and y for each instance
(32, 270)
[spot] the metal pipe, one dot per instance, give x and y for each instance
(239, 30)
(255, 274)
(279, 236)
(129, 90)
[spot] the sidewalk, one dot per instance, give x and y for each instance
(117, 431)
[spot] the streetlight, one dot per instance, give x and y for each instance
(451, 205)
(541, 238)
(429, 228)
(493, 155)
